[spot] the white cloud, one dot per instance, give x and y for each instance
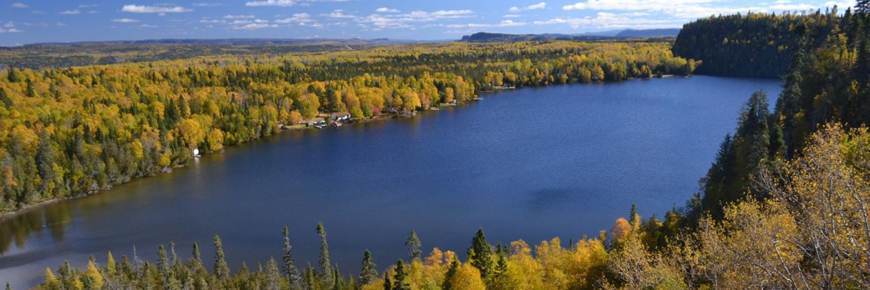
(298, 18)
(19, 5)
(125, 20)
(404, 20)
(339, 14)
(240, 17)
(154, 9)
(71, 12)
(86, 6)
(387, 10)
(512, 16)
(691, 9)
(541, 5)
(279, 3)
(613, 20)
(207, 4)
(503, 23)
(147, 26)
(253, 26)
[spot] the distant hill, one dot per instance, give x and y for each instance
(592, 36)
(664, 32)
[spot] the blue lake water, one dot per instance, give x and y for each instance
(527, 164)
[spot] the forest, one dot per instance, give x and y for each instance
(783, 206)
(756, 44)
(67, 132)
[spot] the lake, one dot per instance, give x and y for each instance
(529, 164)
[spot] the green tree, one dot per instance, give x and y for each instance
(369, 271)
(448, 276)
(479, 255)
(414, 245)
(399, 282)
(5, 99)
(221, 270)
(290, 269)
(325, 264)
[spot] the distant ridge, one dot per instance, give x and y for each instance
(595, 36)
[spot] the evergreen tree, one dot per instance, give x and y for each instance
(162, 261)
(447, 283)
(273, 279)
(414, 245)
(31, 92)
(45, 163)
(479, 254)
(369, 270)
(863, 6)
(325, 264)
(221, 270)
(196, 259)
(110, 265)
(12, 74)
(290, 269)
(5, 99)
(399, 282)
(387, 284)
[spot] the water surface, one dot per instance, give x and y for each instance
(527, 164)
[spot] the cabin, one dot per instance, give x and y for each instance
(339, 117)
(316, 122)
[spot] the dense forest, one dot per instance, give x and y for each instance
(67, 132)
(756, 44)
(58, 55)
(784, 206)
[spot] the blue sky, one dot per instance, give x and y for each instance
(33, 21)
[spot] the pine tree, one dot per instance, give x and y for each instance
(863, 6)
(5, 99)
(31, 92)
(447, 284)
(369, 270)
(93, 278)
(414, 245)
(8, 287)
(399, 278)
(173, 258)
(196, 259)
(290, 269)
(479, 254)
(12, 74)
(387, 284)
(221, 270)
(633, 218)
(325, 264)
(273, 281)
(162, 261)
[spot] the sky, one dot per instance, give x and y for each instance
(39, 21)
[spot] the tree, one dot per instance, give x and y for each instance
(387, 284)
(447, 283)
(273, 279)
(93, 278)
(290, 269)
(413, 244)
(399, 282)
(5, 99)
(479, 255)
(369, 271)
(325, 264)
(863, 6)
(467, 277)
(221, 270)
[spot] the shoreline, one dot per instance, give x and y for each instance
(25, 209)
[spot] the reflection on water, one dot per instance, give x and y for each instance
(527, 164)
(18, 228)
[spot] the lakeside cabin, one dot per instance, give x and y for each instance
(339, 117)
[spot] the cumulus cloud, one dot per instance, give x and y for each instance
(279, 3)
(503, 23)
(71, 12)
(9, 27)
(298, 18)
(387, 10)
(125, 20)
(154, 9)
(541, 5)
(207, 4)
(19, 5)
(613, 20)
(239, 16)
(404, 20)
(339, 14)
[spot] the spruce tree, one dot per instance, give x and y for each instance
(369, 270)
(12, 74)
(863, 6)
(162, 261)
(273, 279)
(399, 282)
(221, 270)
(196, 259)
(5, 99)
(290, 269)
(387, 284)
(447, 284)
(325, 264)
(479, 254)
(414, 245)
